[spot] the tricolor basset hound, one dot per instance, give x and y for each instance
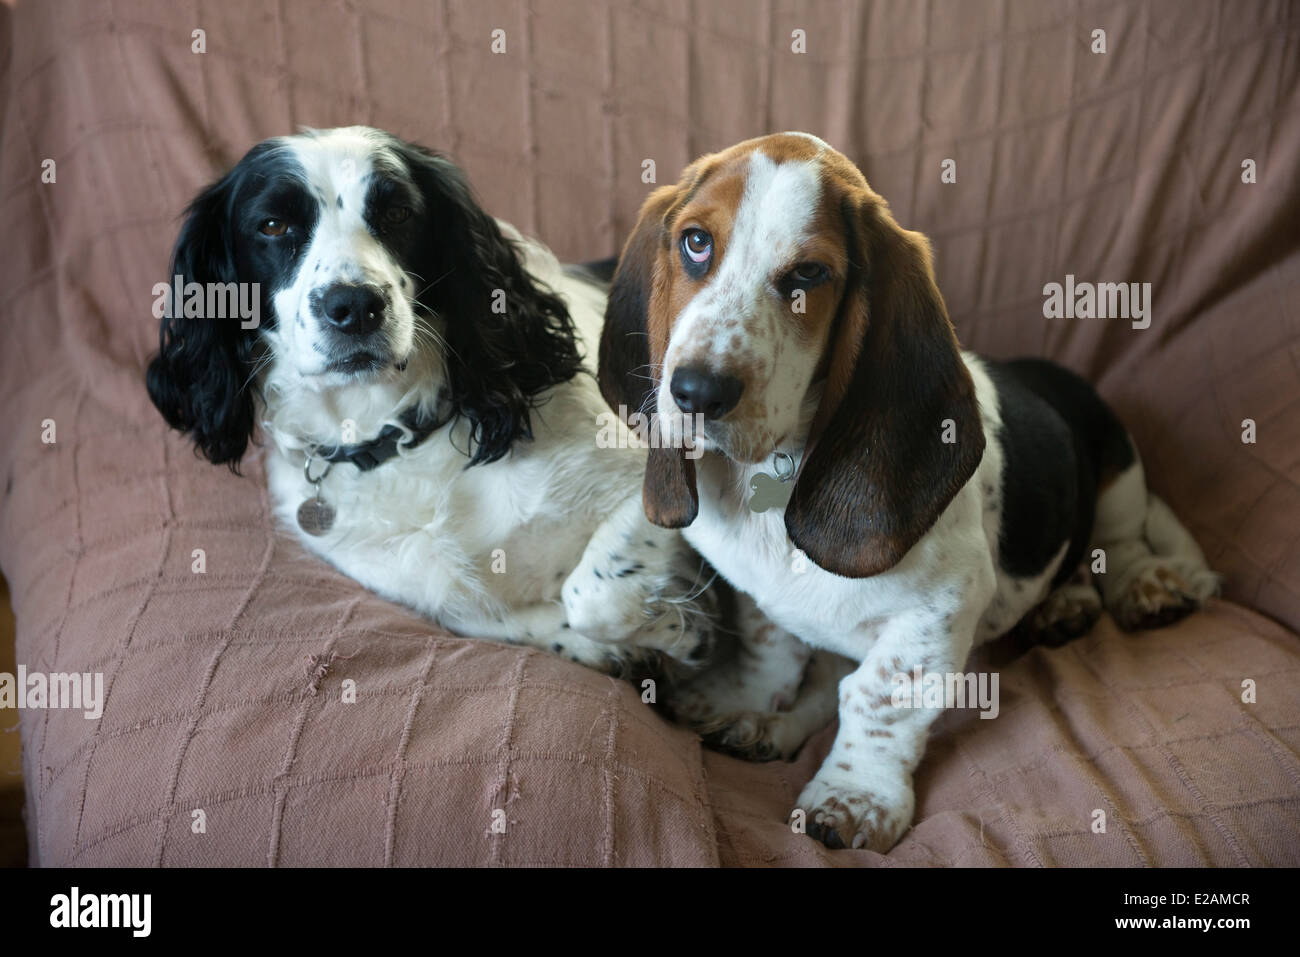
(935, 499)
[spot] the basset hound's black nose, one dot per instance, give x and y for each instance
(711, 394)
(353, 308)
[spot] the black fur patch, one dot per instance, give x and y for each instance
(600, 272)
(197, 380)
(1058, 439)
(501, 364)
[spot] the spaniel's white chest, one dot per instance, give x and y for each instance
(460, 545)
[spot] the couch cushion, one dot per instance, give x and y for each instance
(224, 688)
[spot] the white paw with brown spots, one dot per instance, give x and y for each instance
(1155, 596)
(1065, 614)
(842, 812)
(754, 735)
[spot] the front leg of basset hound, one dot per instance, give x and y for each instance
(862, 795)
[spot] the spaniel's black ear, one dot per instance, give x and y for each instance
(898, 432)
(509, 338)
(632, 346)
(199, 379)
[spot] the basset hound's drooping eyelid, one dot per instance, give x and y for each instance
(940, 500)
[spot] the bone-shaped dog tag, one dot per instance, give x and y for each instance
(769, 492)
(773, 491)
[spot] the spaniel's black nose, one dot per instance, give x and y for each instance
(709, 393)
(351, 308)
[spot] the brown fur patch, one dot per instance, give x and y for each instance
(710, 195)
(875, 475)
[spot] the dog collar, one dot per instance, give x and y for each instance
(374, 453)
(316, 515)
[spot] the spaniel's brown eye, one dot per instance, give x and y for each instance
(396, 215)
(698, 245)
(806, 273)
(273, 227)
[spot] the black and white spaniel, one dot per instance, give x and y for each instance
(417, 368)
(875, 492)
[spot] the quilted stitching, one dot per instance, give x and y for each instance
(1122, 167)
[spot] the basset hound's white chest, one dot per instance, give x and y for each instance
(753, 551)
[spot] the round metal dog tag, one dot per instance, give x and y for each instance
(316, 516)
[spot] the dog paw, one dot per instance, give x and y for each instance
(844, 814)
(1065, 614)
(690, 639)
(751, 735)
(606, 606)
(599, 656)
(1156, 596)
(715, 707)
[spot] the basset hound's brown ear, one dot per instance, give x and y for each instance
(632, 349)
(898, 431)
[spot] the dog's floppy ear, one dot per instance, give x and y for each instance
(199, 379)
(898, 431)
(509, 338)
(632, 347)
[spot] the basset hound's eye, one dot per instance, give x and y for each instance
(396, 215)
(273, 227)
(697, 251)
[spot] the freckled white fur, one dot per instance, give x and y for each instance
(924, 611)
(739, 319)
(946, 595)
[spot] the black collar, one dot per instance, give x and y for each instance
(369, 455)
